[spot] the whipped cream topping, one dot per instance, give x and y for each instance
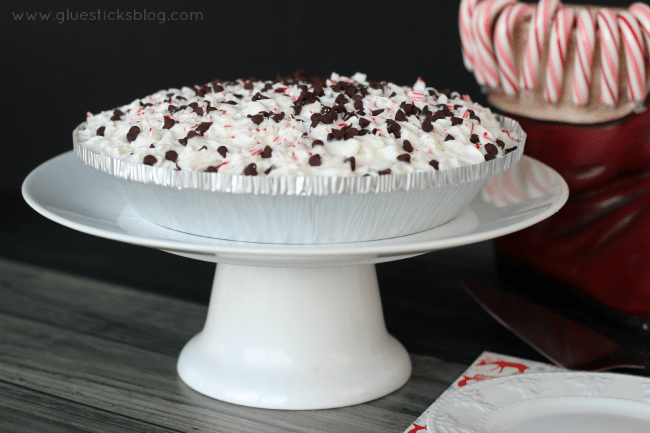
(300, 126)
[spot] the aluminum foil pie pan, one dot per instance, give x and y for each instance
(295, 209)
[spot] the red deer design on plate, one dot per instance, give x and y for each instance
(501, 365)
(477, 377)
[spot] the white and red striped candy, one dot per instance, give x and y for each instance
(610, 42)
(557, 54)
(503, 40)
(486, 71)
(541, 22)
(633, 45)
(585, 44)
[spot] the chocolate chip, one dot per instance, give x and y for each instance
(341, 99)
(169, 123)
(449, 137)
(297, 108)
(198, 110)
(392, 126)
(351, 133)
(377, 112)
(474, 139)
(133, 134)
(203, 127)
(489, 157)
(257, 119)
(491, 148)
(211, 169)
(400, 116)
(500, 143)
(433, 163)
(217, 87)
(408, 146)
(145, 105)
(358, 105)
(250, 170)
(192, 134)
(510, 149)
(440, 114)
(427, 126)
(171, 155)
(204, 148)
(278, 117)
(404, 157)
(222, 150)
(317, 143)
(314, 161)
(149, 160)
(364, 122)
(183, 141)
(151, 146)
(266, 153)
(117, 115)
(446, 92)
(392, 94)
(456, 121)
(101, 130)
(352, 161)
(259, 96)
(248, 86)
(268, 170)
(180, 98)
(230, 102)
(381, 172)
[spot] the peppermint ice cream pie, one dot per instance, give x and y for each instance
(300, 126)
(300, 159)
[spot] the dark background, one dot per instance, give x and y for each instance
(55, 72)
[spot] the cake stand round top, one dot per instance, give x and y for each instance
(68, 192)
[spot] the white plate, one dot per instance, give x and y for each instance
(250, 351)
(74, 195)
(563, 402)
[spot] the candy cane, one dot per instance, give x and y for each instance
(610, 42)
(542, 19)
(585, 43)
(466, 35)
(641, 12)
(557, 54)
(633, 45)
(503, 39)
(483, 19)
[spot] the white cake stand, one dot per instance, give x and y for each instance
(292, 326)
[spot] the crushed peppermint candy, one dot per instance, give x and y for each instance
(300, 126)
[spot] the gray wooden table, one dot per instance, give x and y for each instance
(77, 354)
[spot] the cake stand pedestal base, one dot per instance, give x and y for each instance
(294, 338)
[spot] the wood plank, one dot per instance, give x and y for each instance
(141, 384)
(115, 313)
(26, 410)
